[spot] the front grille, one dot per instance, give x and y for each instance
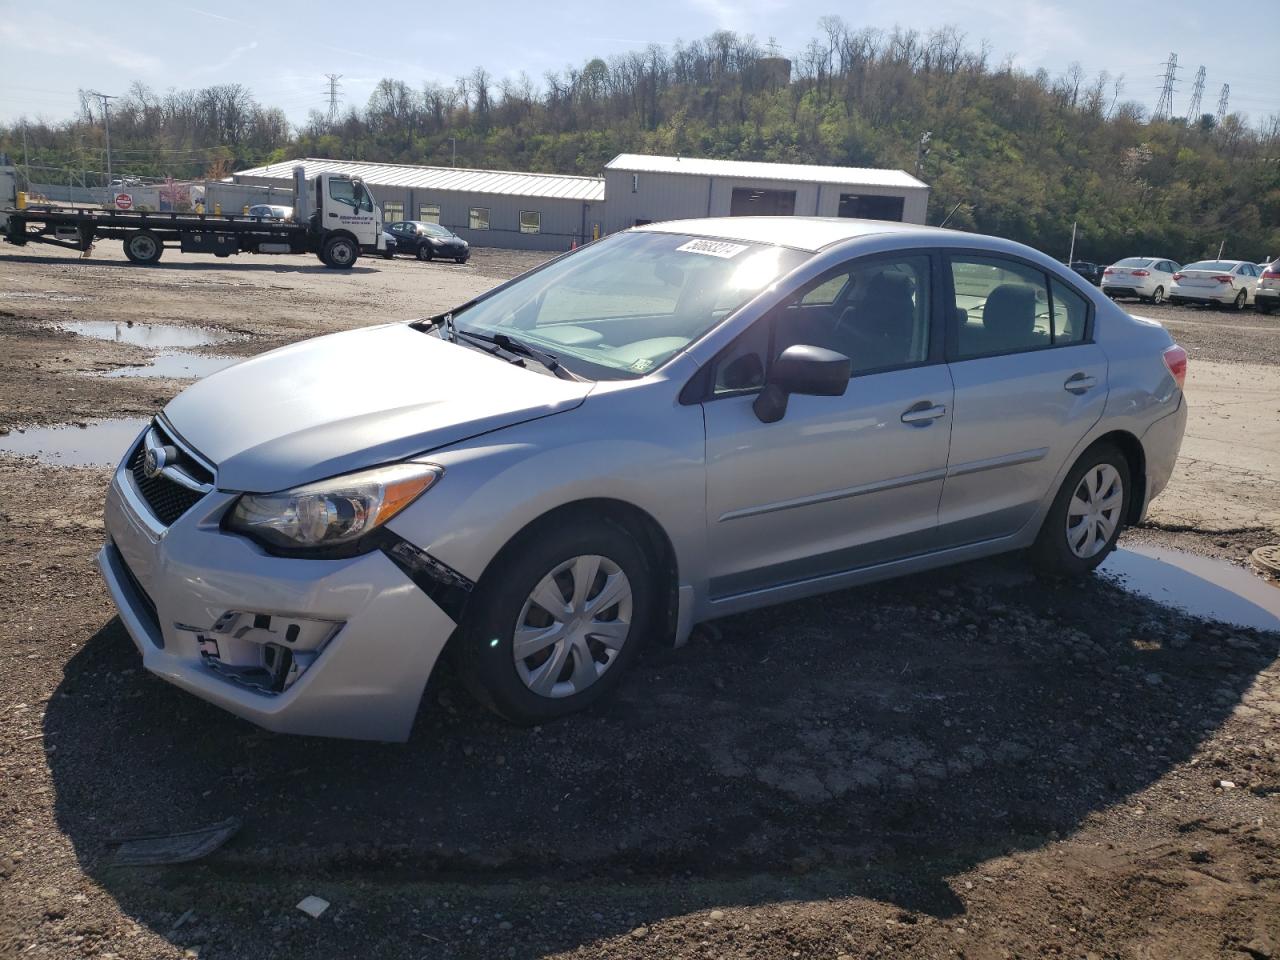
(168, 500)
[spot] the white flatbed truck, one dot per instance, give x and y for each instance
(334, 217)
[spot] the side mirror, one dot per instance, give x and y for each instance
(803, 369)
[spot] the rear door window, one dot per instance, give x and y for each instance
(1001, 306)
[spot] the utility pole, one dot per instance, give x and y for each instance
(106, 121)
(333, 79)
(1193, 111)
(453, 143)
(1222, 102)
(1164, 106)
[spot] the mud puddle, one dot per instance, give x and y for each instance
(155, 336)
(1197, 585)
(96, 444)
(176, 366)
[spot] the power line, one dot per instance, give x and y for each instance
(1193, 111)
(106, 120)
(333, 79)
(1164, 106)
(1222, 101)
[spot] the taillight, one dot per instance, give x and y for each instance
(1223, 278)
(1107, 272)
(1177, 276)
(1141, 273)
(1175, 358)
(1271, 274)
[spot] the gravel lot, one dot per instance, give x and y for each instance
(970, 763)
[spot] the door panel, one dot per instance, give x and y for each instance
(837, 483)
(1015, 423)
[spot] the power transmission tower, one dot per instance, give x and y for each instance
(1193, 111)
(333, 79)
(1222, 102)
(1164, 106)
(106, 121)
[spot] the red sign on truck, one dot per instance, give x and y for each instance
(123, 201)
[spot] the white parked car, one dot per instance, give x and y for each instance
(1215, 282)
(1147, 278)
(1266, 296)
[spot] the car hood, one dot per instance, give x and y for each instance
(351, 400)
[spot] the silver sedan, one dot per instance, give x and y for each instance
(676, 423)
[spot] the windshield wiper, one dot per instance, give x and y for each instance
(548, 360)
(502, 344)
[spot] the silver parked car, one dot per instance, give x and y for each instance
(678, 422)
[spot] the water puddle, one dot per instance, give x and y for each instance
(1197, 585)
(156, 336)
(176, 366)
(97, 444)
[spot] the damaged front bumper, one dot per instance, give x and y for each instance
(339, 648)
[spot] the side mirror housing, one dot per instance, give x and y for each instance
(803, 369)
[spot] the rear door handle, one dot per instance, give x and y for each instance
(923, 413)
(1079, 383)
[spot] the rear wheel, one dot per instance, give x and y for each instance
(143, 247)
(1085, 520)
(1158, 297)
(424, 251)
(1239, 302)
(557, 622)
(339, 253)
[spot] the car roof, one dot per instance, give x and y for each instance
(802, 233)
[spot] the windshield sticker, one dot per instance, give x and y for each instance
(642, 365)
(712, 248)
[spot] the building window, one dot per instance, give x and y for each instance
(530, 221)
(864, 207)
(478, 218)
(635, 183)
(429, 212)
(392, 211)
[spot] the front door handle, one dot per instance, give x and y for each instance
(1080, 382)
(923, 413)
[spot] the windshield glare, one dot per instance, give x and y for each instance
(435, 230)
(1133, 262)
(1223, 265)
(621, 308)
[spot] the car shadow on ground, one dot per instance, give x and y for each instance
(238, 262)
(872, 742)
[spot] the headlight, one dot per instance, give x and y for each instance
(332, 512)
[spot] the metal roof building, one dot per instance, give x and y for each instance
(642, 189)
(550, 211)
(489, 208)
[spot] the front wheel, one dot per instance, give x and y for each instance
(143, 247)
(424, 251)
(339, 253)
(557, 622)
(1084, 522)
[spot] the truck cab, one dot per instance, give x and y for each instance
(343, 207)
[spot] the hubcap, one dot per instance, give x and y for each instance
(1094, 511)
(1159, 297)
(573, 626)
(143, 247)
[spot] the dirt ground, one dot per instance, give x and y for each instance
(971, 763)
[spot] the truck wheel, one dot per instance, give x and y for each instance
(143, 247)
(339, 253)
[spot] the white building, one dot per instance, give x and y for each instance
(544, 211)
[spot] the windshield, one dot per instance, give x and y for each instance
(1133, 262)
(435, 230)
(622, 307)
(1222, 265)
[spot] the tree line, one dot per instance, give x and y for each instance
(1017, 154)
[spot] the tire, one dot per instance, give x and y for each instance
(143, 247)
(1241, 299)
(534, 690)
(1176, 302)
(1263, 308)
(1102, 466)
(1157, 298)
(424, 252)
(339, 253)
(461, 259)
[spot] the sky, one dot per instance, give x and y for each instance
(282, 51)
